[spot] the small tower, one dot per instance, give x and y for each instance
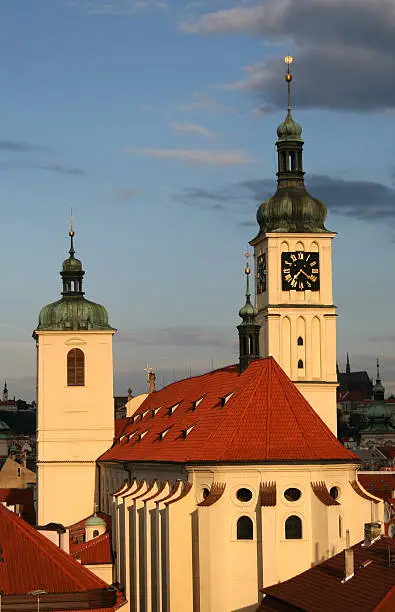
(293, 275)
(75, 413)
(5, 392)
(249, 328)
(95, 526)
(379, 430)
(348, 367)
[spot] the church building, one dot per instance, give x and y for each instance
(221, 484)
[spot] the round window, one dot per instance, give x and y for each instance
(244, 495)
(205, 492)
(292, 494)
(334, 492)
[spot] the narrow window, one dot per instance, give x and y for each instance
(95, 533)
(19, 471)
(245, 528)
(293, 528)
(340, 527)
(300, 364)
(75, 368)
(300, 341)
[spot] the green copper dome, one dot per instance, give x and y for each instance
(379, 414)
(73, 311)
(95, 521)
(289, 129)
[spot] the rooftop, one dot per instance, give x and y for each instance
(321, 588)
(221, 416)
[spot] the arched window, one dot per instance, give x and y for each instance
(95, 533)
(75, 368)
(245, 528)
(293, 528)
(300, 364)
(300, 341)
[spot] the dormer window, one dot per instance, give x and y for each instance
(143, 434)
(155, 411)
(186, 432)
(173, 408)
(196, 403)
(164, 433)
(225, 399)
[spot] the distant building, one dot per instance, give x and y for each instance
(356, 383)
(379, 430)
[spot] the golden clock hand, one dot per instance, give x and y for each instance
(306, 275)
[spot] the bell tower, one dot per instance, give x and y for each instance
(75, 412)
(293, 272)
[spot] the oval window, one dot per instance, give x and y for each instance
(334, 492)
(292, 494)
(205, 492)
(244, 495)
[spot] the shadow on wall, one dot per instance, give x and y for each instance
(252, 608)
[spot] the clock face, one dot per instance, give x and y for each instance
(300, 271)
(261, 273)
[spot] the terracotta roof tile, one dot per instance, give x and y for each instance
(96, 551)
(265, 419)
(23, 497)
(31, 561)
(321, 588)
(380, 485)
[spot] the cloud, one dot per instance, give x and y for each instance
(341, 60)
(363, 200)
(202, 102)
(177, 336)
(225, 157)
(14, 146)
(127, 193)
(183, 128)
(29, 165)
(123, 7)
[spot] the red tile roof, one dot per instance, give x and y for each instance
(23, 497)
(119, 424)
(94, 552)
(225, 417)
(380, 485)
(31, 562)
(321, 588)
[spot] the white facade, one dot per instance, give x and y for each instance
(286, 316)
(75, 424)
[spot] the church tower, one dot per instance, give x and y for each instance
(75, 413)
(293, 268)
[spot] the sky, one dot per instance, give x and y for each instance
(155, 122)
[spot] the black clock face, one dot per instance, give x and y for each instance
(300, 271)
(261, 273)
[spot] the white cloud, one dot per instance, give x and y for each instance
(202, 102)
(191, 128)
(232, 20)
(227, 157)
(123, 7)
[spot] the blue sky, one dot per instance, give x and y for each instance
(156, 123)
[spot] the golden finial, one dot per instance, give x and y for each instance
(71, 230)
(288, 77)
(247, 255)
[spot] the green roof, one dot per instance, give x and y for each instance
(95, 521)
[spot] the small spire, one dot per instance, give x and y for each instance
(247, 271)
(348, 368)
(249, 328)
(378, 370)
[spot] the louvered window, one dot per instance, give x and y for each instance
(75, 368)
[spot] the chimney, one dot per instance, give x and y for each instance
(348, 560)
(372, 533)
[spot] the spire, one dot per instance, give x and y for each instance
(71, 234)
(5, 392)
(248, 329)
(291, 208)
(348, 369)
(378, 389)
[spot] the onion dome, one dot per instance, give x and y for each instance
(73, 311)
(95, 521)
(291, 208)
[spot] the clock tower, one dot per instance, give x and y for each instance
(293, 270)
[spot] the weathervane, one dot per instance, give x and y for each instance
(71, 233)
(247, 255)
(288, 77)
